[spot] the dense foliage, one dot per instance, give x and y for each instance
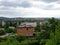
(50, 35)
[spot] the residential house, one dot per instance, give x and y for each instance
(26, 30)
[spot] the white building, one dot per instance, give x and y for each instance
(29, 23)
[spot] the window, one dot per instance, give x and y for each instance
(27, 28)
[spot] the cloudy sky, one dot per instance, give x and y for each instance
(29, 8)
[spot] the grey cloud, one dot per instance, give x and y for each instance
(5, 8)
(48, 1)
(11, 13)
(6, 12)
(50, 7)
(13, 4)
(25, 4)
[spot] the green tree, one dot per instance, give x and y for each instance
(45, 26)
(8, 30)
(29, 42)
(52, 23)
(20, 37)
(2, 32)
(6, 25)
(57, 33)
(37, 28)
(52, 40)
(10, 41)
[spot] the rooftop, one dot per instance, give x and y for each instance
(25, 26)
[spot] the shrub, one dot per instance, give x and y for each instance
(2, 32)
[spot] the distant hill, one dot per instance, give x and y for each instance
(23, 19)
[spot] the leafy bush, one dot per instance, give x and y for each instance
(10, 30)
(20, 37)
(2, 32)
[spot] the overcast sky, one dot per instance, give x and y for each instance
(29, 8)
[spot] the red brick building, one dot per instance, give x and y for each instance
(26, 30)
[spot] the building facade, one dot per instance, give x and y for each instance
(26, 30)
